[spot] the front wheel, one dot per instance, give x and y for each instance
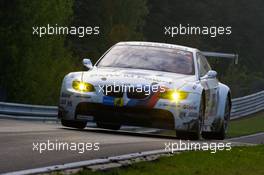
(221, 134)
(187, 135)
(73, 124)
(196, 135)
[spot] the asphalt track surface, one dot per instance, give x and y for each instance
(17, 138)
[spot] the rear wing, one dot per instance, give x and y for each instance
(222, 55)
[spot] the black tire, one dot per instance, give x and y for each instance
(221, 134)
(73, 124)
(108, 126)
(198, 133)
(185, 135)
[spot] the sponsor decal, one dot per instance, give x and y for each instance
(189, 107)
(112, 101)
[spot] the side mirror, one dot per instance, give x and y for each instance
(87, 63)
(211, 74)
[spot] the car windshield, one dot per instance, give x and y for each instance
(149, 58)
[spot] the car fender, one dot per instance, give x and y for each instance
(223, 94)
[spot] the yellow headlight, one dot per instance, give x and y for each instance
(82, 86)
(174, 95)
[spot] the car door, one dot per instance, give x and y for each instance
(210, 86)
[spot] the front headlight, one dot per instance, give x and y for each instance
(174, 95)
(82, 86)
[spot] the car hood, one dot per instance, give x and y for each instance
(118, 76)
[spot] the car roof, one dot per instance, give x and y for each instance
(155, 44)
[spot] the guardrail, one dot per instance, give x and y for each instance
(25, 111)
(241, 107)
(247, 105)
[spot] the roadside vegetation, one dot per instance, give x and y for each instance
(250, 125)
(240, 160)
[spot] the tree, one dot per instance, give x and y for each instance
(32, 68)
(119, 20)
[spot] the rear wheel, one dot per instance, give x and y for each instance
(73, 124)
(199, 123)
(108, 126)
(221, 134)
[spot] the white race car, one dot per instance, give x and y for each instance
(150, 85)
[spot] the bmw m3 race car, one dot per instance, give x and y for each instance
(150, 85)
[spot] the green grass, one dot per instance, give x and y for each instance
(238, 161)
(252, 124)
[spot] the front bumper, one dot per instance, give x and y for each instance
(162, 113)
